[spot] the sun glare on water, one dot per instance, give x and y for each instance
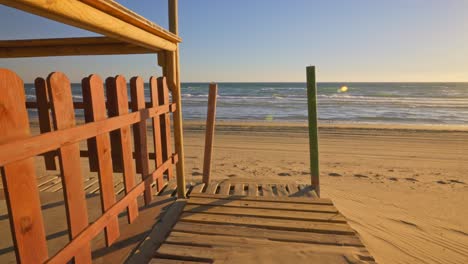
(343, 89)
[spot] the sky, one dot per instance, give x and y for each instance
(274, 40)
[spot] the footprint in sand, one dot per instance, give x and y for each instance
(393, 179)
(411, 179)
(305, 173)
(456, 181)
(334, 174)
(391, 170)
(196, 173)
(360, 176)
(232, 175)
(284, 174)
(195, 168)
(441, 182)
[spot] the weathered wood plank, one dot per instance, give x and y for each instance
(239, 189)
(267, 213)
(210, 130)
(95, 110)
(157, 136)
(139, 132)
(42, 99)
(275, 235)
(160, 231)
(19, 178)
(169, 190)
(267, 191)
(263, 205)
(69, 157)
(225, 188)
(281, 190)
(211, 189)
(117, 98)
(298, 200)
(253, 189)
(197, 188)
(293, 189)
(163, 94)
(277, 224)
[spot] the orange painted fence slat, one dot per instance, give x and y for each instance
(157, 140)
(95, 110)
(19, 178)
(70, 166)
(139, 132)
(163, 91)
(116, 89)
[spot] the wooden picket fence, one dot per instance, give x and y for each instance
(109, 140)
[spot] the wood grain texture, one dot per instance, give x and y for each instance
(197, 188)
(70, 167)
(117, 98)
(210, 130)
(275, 235)
(139, 132)
(157, 135)
(163, 92)
(45, 125)
(95, 110)
(239, 189)
(212, 187)
(171, 70)
(266, 213)
(225, 188)
(19, 178)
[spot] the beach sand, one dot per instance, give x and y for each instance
(404, 189)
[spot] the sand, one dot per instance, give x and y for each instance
(403, 188)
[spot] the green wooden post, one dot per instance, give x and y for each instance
(313, 129)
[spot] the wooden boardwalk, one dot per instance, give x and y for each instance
(232, 223)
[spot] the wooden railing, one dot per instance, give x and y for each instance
(109, 140)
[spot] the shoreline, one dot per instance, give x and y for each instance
(303, 127)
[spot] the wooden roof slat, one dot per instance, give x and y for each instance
(68, 47)
(113, 21)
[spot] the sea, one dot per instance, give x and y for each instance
(371, 103)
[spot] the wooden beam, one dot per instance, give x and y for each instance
(313, 129)
(106, 22)
(210, 130)
(172, 72)
(68, 47)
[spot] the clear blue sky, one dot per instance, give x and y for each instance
(273, 40)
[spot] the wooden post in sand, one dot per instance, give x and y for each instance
(313, 129)
(210, 129)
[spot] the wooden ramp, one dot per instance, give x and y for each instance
(223, 228)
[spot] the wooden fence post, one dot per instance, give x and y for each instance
(210, 129)
(313, 129)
